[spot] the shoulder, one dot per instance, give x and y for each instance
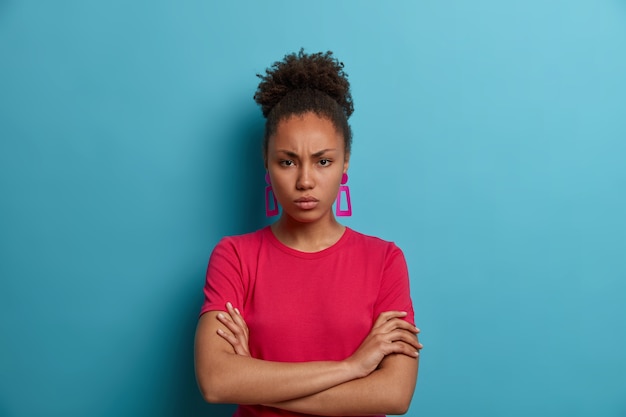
(373, 243)
(243, 241)
(236, 248)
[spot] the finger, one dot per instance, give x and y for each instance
(412, 341)
(236, 316)
(388, 315)
(234, 342)
(404, 336)
(234, 313)
(405, 349)
(227, 321)
(417, 338)
(229, 337)
(224, 316)
(401, 348)
(243, 322)
(401, 323)
(398, 323)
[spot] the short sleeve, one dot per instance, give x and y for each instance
(224, 281)
(395, 292)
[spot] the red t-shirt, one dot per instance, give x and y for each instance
(302, 306)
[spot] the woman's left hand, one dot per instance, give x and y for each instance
(238, 336)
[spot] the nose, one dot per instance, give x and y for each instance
(305, 178)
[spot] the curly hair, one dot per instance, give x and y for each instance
(302, 83)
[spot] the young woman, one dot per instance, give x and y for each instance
(306, 315)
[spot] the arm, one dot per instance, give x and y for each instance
(225, 376)
(387, 390)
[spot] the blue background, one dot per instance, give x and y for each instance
(490, 141)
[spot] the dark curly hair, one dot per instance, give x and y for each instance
(302, 83)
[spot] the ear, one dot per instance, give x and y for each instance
(346, 163)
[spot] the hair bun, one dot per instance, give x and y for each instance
(297, 71)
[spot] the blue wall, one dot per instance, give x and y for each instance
(490, 142)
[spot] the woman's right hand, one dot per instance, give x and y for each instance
(389, 334)
(239, 333)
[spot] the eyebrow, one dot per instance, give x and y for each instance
(315, 155)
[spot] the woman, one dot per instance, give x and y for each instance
(328, 326)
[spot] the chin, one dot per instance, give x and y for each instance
(306, 217)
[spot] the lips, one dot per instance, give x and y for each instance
(306, 203)
(306, 200)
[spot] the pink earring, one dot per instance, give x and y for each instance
(343, 188)
(269, 211)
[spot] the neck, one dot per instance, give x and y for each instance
(308, 237)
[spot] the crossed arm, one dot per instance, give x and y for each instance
(379, 378)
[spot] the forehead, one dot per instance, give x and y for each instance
(306, 131)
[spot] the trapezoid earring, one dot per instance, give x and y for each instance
(343, 188)
(269, 209)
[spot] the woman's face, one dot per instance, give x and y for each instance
(306, 159)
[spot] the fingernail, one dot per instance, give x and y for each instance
(229, 305)
(220, 316)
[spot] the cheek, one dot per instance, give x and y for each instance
(281, 185)
(331, 184)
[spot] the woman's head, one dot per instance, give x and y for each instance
(306, 83)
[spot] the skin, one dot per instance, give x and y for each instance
(306, 159)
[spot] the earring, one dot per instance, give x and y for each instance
(269, 211)
(343, 188)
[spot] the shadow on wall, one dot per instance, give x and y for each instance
(237, 184)
(186, 397)
(188, 401)
(233, 203)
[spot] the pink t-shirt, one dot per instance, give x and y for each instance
(302, 306)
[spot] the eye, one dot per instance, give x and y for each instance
(286, 163)
(325, 162)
